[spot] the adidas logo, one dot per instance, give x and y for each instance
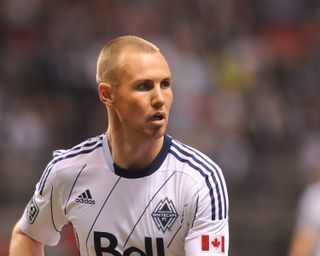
(85, 198)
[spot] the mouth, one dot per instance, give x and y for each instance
(158, 117)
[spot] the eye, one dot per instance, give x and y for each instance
(165, 83)
(144, 86)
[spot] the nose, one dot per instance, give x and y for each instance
(157, 97)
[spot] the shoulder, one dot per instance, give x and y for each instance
(76, 155)
(193, 160)
(311, 195)
(82, 149)
(67, 162)
(309, 206)
(211, 185)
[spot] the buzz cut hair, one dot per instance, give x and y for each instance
(108, 64)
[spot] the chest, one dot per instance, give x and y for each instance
(149, 216)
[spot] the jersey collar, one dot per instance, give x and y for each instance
(131, 174)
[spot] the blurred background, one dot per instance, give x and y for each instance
(247, 93)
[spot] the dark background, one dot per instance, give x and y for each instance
(247, 93)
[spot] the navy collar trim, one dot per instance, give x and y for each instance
(155, 165)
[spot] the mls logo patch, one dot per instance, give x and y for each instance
(212, 243)
(32, 211)
(164, 215)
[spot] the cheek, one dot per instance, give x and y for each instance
(132, 109)
(169, 100)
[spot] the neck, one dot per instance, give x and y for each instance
(130, 152)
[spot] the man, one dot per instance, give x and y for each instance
(306, 235)
(134, 190)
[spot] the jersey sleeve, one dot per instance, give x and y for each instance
(44, 217)
(308, 210)
(209, 232)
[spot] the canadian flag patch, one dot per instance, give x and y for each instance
(212, 243)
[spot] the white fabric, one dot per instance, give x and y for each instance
(309, 212)
(164, 210)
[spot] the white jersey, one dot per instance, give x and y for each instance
(308, 215)
(176, 206)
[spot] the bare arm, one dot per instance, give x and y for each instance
(22, 245)
(303, 243)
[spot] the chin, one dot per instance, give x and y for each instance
(155, 134)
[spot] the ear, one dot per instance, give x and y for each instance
(106, 93)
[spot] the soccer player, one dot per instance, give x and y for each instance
(306, 236)
(134, 190)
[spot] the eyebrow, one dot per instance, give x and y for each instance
(151, 81)
(168, 78)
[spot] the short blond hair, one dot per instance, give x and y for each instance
(108, 66)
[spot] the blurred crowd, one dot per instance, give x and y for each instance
(247, 92)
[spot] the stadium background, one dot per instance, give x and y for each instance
(246, 76)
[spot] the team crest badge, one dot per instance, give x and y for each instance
(164, 215)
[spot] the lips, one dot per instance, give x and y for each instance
(158, 117)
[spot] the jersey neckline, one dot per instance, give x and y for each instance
(151, 168)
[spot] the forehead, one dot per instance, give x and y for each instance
(143, 65)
